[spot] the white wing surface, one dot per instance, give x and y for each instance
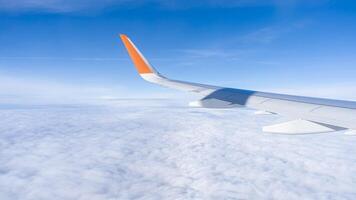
(313, 115)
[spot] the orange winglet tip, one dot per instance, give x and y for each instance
(141, 64)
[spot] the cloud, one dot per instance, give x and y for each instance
(346, 91)
(264, 35)
(62, 58)
(209, 53)
(269, 34)
(127, 150)
(21, 90)
(85, 5)
(53, 5)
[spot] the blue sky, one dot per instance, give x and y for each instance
(55, 49)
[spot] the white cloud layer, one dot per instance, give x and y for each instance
(140, 150)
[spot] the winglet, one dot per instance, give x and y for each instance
(140, 62)
(148, 73)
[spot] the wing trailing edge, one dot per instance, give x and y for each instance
(299, 126)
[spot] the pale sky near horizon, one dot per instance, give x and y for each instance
(55, 49)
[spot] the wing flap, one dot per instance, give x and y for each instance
(297, 127)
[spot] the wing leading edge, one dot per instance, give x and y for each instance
(314, 115)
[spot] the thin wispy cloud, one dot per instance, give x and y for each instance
(39, 90)
(345, 91)
(22, 90)
(63, 58)
(98, 59)
(268, 34)
(61, 6)
(255, 37)
(208, 53)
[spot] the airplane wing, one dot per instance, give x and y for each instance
(312, 115)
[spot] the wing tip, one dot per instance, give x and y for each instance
(141, 64)
(123, 36)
